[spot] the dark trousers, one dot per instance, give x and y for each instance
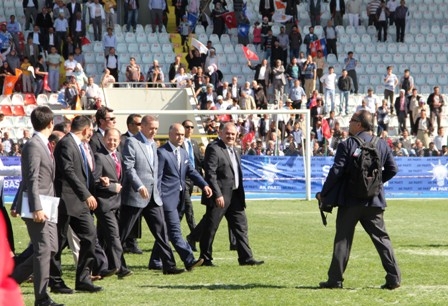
(372, 221)
(400, 25)
(401, 121)
(109, 237)
(44, 239)
(236, 217)
(84, 228)
(187, 208)
(155, 220)
(352, 74)
(331, 47)
(436, 114)
(381, 26)
(114, 73)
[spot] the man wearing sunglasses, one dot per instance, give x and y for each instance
(104, 120)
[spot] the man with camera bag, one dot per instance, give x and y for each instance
(361, 150)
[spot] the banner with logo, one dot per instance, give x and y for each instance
(425, 177)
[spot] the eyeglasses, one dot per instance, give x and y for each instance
(355, 120)
(189, 127)
(110, 118)
(137, 123)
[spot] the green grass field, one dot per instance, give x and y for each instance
(297, 248)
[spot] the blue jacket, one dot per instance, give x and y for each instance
(336, 190)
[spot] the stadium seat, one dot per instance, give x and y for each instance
(403, 48)
(164, 38)
(420, 58)
(432, 79)
(90, 69)
(331, 59)
(419, 80)
(361, 30)
(392, 48)
(235, 69)
(360, 68)
(6, 110)
(437, 69)
(144, 47)
(414, 68)
(381, 69)
(141, 37)
(340, 29)
(364, 80)
(203, 38)
(441, 58)
(29, 99)
(98, 47)
(218, 48)
(152, 38)
(169, 58)
(133, 47)
(17, 99)
(409, 39)
(414, 29)
(439, 15)
(156, 48)
(366, 39)
(167, 48)
(431, 38)
(355, 39)
(402, 67)
(139, 29)
(442, 80)
(117, 28)
(90, 57)
(159, 57)
(360, 48)
(225, 39)
(42, 100)
(199, 29)
(425, 68)
(228, 48)
(414, 48)
(18, 110)
(370, 68)
(381, 48)
(387, 59)
(121, 48)
(431, 58)
(119, 36)
(344, 38)
(376, 58)
(409, 58)
(348, 47)
(350, 30)
(129, 37)
(53, 98)
(420, 38)
(5, 100)
(425, 88)
(398, 58)
(371, 30)
(232, 58)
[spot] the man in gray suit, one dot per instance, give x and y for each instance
(38, 172)
(140, 194)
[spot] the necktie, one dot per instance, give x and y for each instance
(84, 160)
(88, 155)
(117, 164)
(50, 149)
(150, 154)
(236, 181)
(190, 153)
(177, 153)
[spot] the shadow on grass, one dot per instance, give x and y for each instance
(216, 286)
(426, 245)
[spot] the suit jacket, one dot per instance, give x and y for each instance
(196, 153)
(44, 21)
(108, 198)
(96, 142)
(171, 178)
(33, 58)
(72, 13)
(333, 6)
(139, 172)
(38, 172)
(219, 174)
(123, 138)
(336, 190)
(73, 27)
(71, 177)
(267, 74)
(397, 105)
(315, 8)
(25, 4)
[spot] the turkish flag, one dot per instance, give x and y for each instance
(230, 20)
(250, 55)
(10, 82)
(280, 5)
(46, 86)
(248, 138)
(326, 129)
(318, 45)
(84, 41)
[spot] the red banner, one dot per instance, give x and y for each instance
(326, 129)
(250, 55)
(230, 20)
(46, 86)
(10, 82)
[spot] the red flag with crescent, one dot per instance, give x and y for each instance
(250, 55)
(46, 86)
(326, 129)
(230, 20)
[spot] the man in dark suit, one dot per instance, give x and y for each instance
(224, 176)
(336, 191)
(77, 28)
(133, 123)
(73, 8)
(108, 177)
(38, 171)
(105, 120)
(75, 185)
(337, 10)
(194, 156)
(44, 21)
(140, 194)
(174, 168)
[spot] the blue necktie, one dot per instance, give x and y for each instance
(190, 153)
(86, 164)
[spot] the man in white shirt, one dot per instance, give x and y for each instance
(329, 83)
(109, 41)
(92, 91)
(97, 15)
(69, 65)
(61, 27)
(371, 102)
(441, 139)
(390, 81)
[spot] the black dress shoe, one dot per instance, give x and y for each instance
(61, 288)
(390, 286)
(330, 285)
(133, 250)
(208, 263)
(124, 273)
(47, 302)
(233, 247)
(108, 273)
(192, 244)
(88, 288)
(252, 262)
(173, 270)
(156, 268)
(194, 264)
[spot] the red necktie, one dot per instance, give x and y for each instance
(117, 164)
(50, 149)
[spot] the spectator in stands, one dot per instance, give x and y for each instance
(247, 101)
(392, 6)
(266, 9)
(194, 58)
(174, 67)
(371, 102)
(60, 8)
(180, 79)
(406, 141)
(315, 12)
(180, 7)
(13, 60)
(278, 79)
(401, 108)
(77, 29)
(73, 8)
(31, 51)
(30, 8)
(72, 94)
(156, 8)
(441, 139)
(345, 86)
(107, 80)
(110, 7)
(49, 40)
(265, 27)
(80, 76)
(7, 142)
(309, 38)
(111, 62)
(61, 29)
(350, 64)
(407, 82)
(155, 74)
(183, 28)
(331, 36)
(40, 72)
(69, 66)
(5, 70)
(329, 81)
(283, 41)
(36, 39)
(382, 115)
(319, 60)
(413, 104)
(444, 151)
(431, 150)
(133, 71)
(13, 27)
(207, 95)
(268, 44)
(416, 113)
(26, 76)
(259, 96)
(401, 13)
(109, 41)
(310, 71)
(256, 34)
(93, 94)
(97, 16)
(436, 102)
(132, 7)
(337, 10)
(211, 58)
(317, 113)
(295, 41)
(353, 9)
(79, 57)
(218, 19)
(43, 21)
(382, 14)
(292, 72)
(398, 149)
(22, 141)
(262, 73)
(424, 128)
(2, 151)
(297, 94)
(417, 149)
(390, 81)
(213, 75)
(372, 7)
(54, 63)
(276, 53)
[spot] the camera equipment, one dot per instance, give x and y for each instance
(323, 208)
